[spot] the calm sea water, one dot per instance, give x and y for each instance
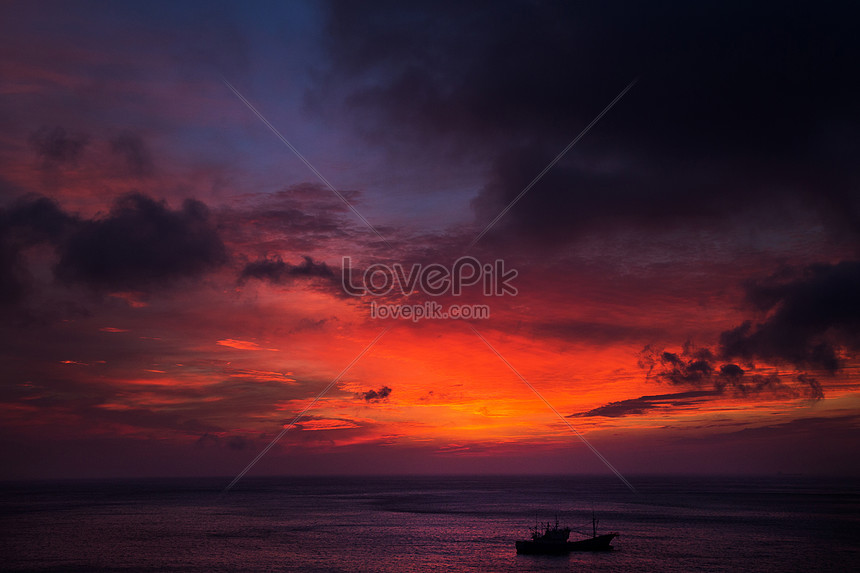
(427, 524)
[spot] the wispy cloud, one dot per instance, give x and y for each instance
(243, 345)
(667, 403)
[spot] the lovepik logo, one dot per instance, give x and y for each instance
(434, 279)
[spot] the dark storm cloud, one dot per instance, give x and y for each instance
(643, 404)
(12, 281)
(375, 395)
(55, 145)
(697, 367)
(695, 370)
(25, 223)
(815, 391)
(35, 219)
(740, 107)
(142, 242)
(139, 243)
(134, 153)
(277, 271)
(810, 317)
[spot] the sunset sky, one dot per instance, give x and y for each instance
(171, 293)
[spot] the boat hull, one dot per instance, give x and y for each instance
(599, 543)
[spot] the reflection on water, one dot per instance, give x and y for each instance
(421, 524)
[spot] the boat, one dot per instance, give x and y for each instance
(554, 540)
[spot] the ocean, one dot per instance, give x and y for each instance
(409, 524)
